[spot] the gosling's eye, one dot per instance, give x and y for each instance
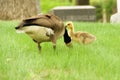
(68, 24)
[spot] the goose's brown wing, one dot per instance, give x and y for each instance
(46, 20)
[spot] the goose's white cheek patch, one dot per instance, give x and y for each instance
(20, 31)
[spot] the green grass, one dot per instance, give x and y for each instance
(47, 5)
(20, 59)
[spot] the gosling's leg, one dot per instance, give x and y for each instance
(84, 40)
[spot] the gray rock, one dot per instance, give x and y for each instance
(75, 13)
(115, 18)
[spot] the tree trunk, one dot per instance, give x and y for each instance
(104, 13)
(17, 9)
(38, 6)
(82, 2)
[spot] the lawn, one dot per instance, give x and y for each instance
(20, 59)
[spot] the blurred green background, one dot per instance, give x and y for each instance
(103, 7)
(19, 9)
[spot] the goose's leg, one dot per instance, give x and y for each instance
(53, 39)
(54, 44)
(39, 47)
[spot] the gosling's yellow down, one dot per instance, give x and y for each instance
(79, 36)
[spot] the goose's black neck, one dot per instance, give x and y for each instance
(67, 38)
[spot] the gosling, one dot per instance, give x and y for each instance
(79, 36)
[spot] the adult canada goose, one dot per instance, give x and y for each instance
(80, 36)
(43, 28)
